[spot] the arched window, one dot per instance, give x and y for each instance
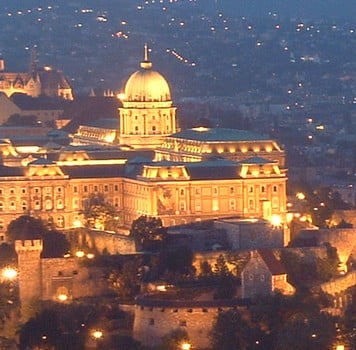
(48, 204)
(60, 204)
(24, 205)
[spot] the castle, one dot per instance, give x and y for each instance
(151, 168)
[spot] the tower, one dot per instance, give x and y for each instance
(30, 274)
(148, 114)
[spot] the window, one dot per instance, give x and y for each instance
(2, 224)
(1, 191)
(232, 204)
(60, 221)
(215, 205)
(151, 321)
(60, 204)
(262, 278)
(75, 203)
(182, 192)
(153, 128)
(198, 205)
(250, 277)
(182, 206)
(275, 189)
(197, 191)
(106, 188)
(48, 190)
(12, 191)
(251, 204)
(37, 190)
(48, 204)
(23, 190)
(250, 189)
(95, 188)
(85, 188)
(232, 190)
(215, 191)
(24, 205)
(12, 205)
(183, 323)
(263, 189)
(275, 203)
(75, 189)
(1, 206)
(37, 205)
(116, 187)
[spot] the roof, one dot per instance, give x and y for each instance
(94, 171)
(257, 160)
(219, 135)
(11, 171)
(273, 264)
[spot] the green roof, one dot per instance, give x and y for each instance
(219, 135)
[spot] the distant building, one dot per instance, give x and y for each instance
(38, 81)
(263, 275)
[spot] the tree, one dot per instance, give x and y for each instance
(26, 227)
(176, 262)
(55, 245)
(173, 340)
(232, 332)
(147, 232)
(99, 213)
(226, 284)
(63, 327)
(126, 282)
(307, 332)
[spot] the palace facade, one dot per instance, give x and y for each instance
(151, 168)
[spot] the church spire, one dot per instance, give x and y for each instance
(146, 63)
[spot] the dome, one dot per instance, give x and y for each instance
(147, 85)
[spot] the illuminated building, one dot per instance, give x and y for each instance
(45, 81)
(154, 169)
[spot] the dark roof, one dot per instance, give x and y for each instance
(219, 135)
(94, 171)
(42, 161)
(273, 264)
(104, 123)
(29, 103)
(214, 170)
(257, 160)
(11, 171)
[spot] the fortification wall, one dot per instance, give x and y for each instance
(340, 284)
(151, 324)
(69, 277)
(100, 241)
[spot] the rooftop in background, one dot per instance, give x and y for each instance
(219, 135)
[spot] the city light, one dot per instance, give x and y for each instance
(186, 346)
(276, 221)
(300, 195)
(79, 254)
(9, 273)
(62, 297)
(97, 334)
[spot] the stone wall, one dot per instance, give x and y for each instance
(101, 242)
(152, 323)
(340, 284)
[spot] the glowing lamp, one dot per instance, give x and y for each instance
(340, 347)
(79, 254)
(186, 346)
(276, 220)
(121, 96)
(300, 195)
(9, 273)
(90, 256)
(97, 334)
(62, 297)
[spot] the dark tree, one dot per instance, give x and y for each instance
(148, 233)
(55, 245)
(307, 332)
(26, 227)
(126, 282)
(174, 340)
(232, 332)
(63, 327)
(226, 283)
(176, 263)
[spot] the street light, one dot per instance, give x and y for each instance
(9, 273)
(97, 334)
(186, 346)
